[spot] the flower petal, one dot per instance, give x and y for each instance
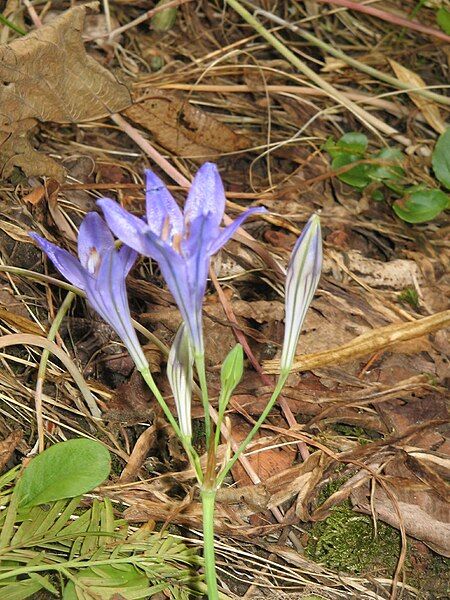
(206, 195)
(302, 278)
(161, 206)
(107, 295)
(127, 256)
(128, 228)
(66, 263)
(93, 235)
(227, 232)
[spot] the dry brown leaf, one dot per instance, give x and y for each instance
(47, 76)
(182, 128)
(429, 110)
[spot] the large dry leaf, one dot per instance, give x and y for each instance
(47, 76)
(429, 110)
(183, 128)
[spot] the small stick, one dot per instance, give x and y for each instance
(389, 17)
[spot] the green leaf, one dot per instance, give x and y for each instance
(441, 158)
(381, 173)
(106, 581)
(65, 470)
(358, 176)
(232, 368)
(443, 19)
(353, 143)
(421, 205)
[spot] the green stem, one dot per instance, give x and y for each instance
(192, 454)
(12, 25)
(201, 372)
(63, 309)
(208, 501)
(243, 445)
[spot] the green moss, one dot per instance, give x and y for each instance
(346, 541)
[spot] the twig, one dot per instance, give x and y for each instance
(389, 17)
(368, 343)
(33, 14)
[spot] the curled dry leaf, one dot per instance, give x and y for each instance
(47, 76)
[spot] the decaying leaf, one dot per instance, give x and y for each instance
(429, 110)
(183, 128)
(48, 76)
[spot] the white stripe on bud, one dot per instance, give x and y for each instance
(180, 375)
(302, 277)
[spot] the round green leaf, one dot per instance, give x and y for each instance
(64, 470)
(421, 205)
(353, 143)
(381, 173)
(441, 158)
(358, 176)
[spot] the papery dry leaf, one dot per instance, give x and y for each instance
(182, 128)
(47, 76)
(429, 110)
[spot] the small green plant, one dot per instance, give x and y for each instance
(383, 170)
(409, 296)
(51, 541)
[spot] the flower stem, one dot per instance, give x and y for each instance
(192, 454)
(208, 501)
(277, 391)
(201, 372)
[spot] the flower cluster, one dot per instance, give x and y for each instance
(182, 243)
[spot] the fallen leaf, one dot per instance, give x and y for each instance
(57, 81)
(181, 127)
(429, 110)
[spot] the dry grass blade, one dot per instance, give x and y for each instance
(35, 340)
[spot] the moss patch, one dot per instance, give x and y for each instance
(346, 541)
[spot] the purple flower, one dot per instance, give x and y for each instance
(302, 278)
(182, 244)
(100, 272)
